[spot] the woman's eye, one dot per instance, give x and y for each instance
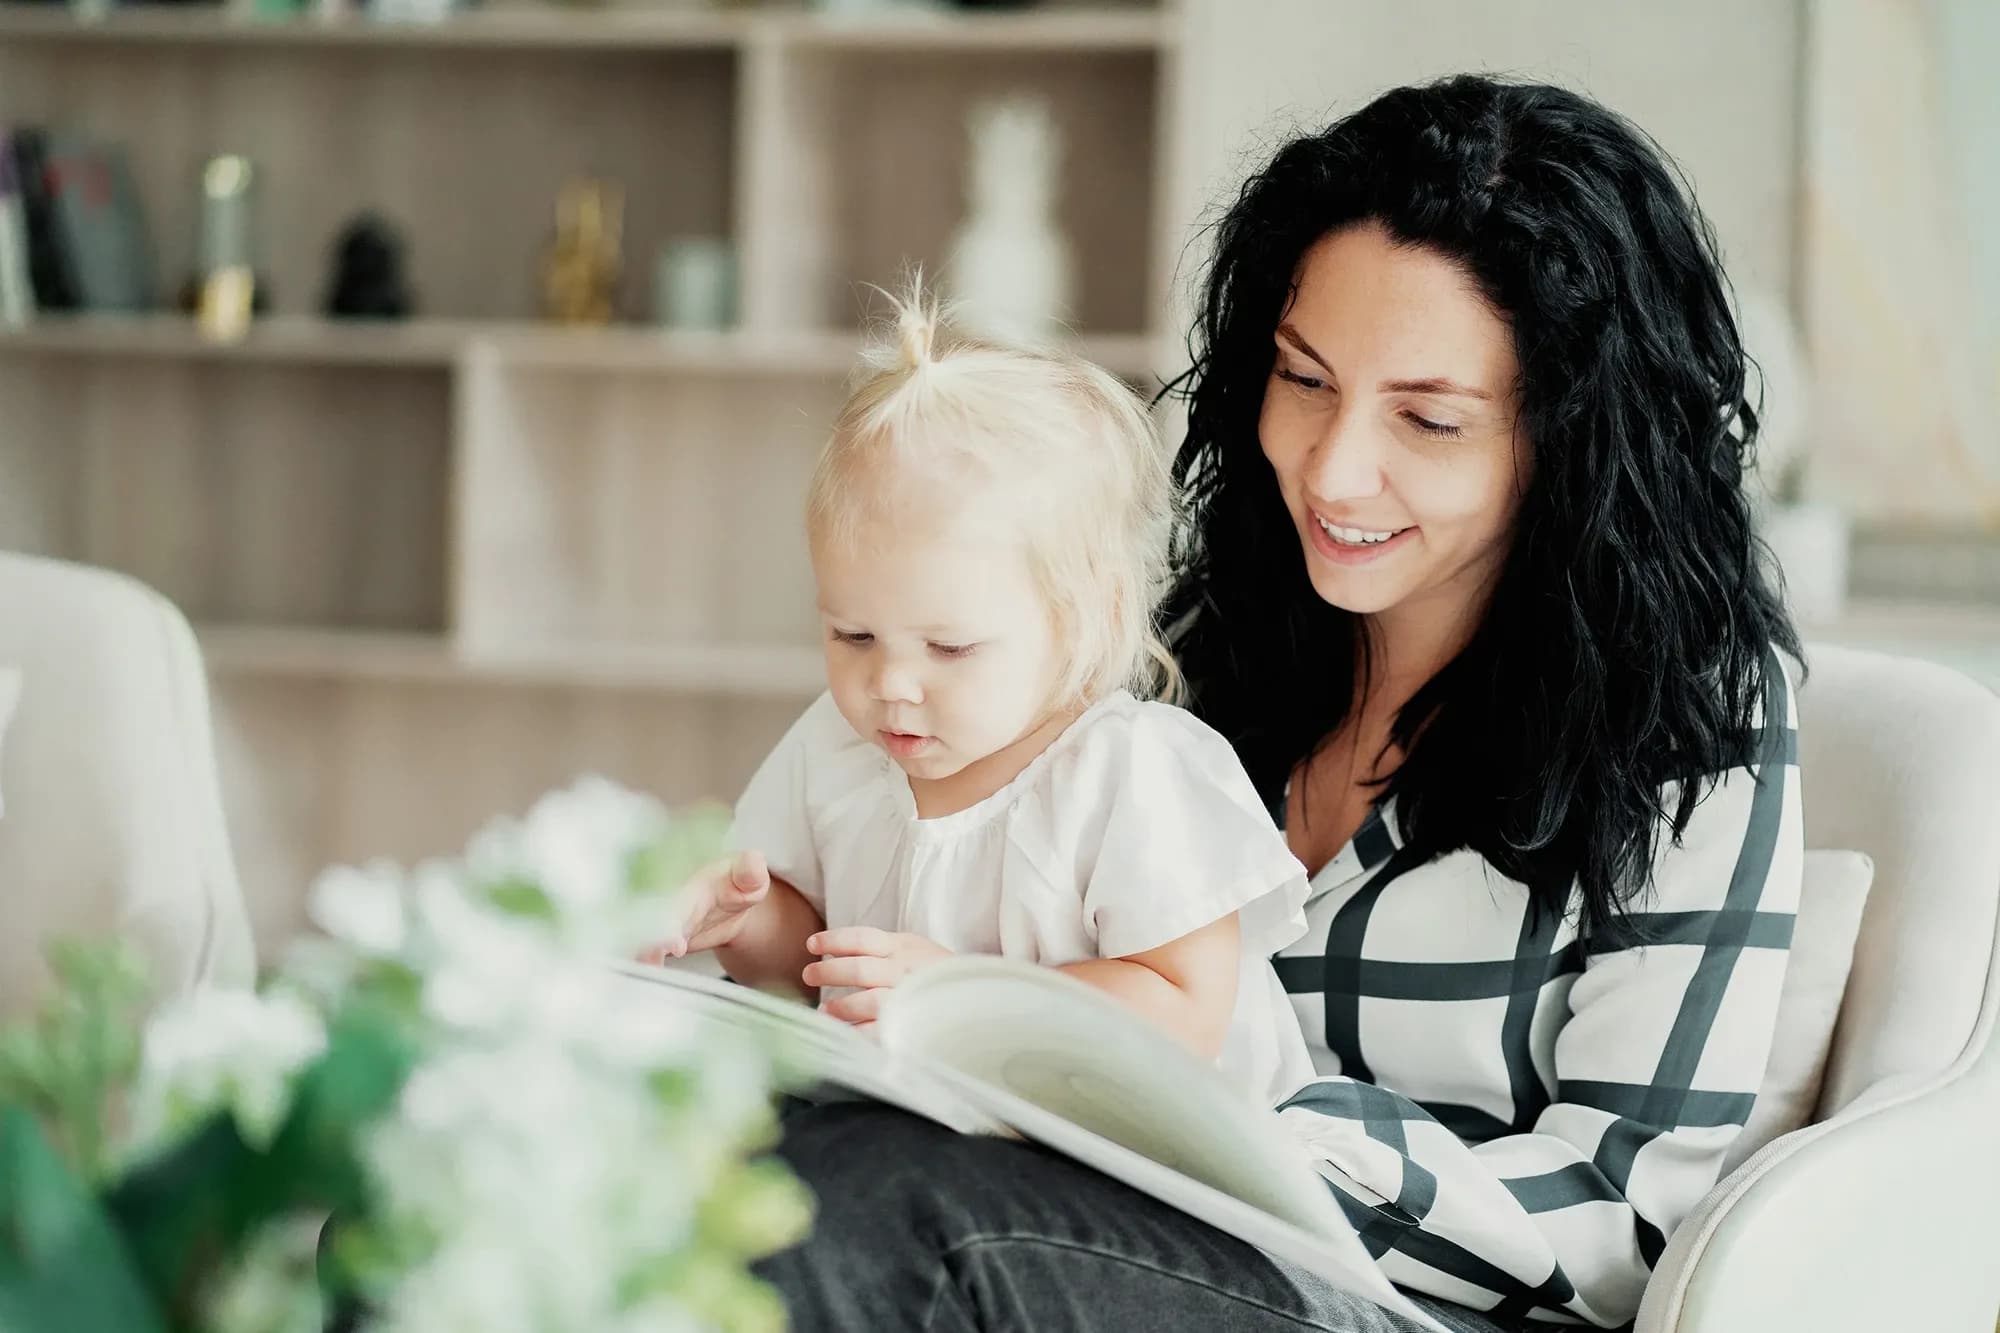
(1429, 427)
(857, 639)
(1307, 382)
(953, 649)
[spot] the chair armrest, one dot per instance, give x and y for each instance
(225, 954)
(1886, 1216)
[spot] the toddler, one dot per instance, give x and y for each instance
(988, 771)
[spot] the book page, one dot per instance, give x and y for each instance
(1334, 1253)
(821, 1048)
(1068, 1067)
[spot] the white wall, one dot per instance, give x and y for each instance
(1715, 81)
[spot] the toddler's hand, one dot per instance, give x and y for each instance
(869, 960)
(718, 901)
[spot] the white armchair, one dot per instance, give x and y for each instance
(1886, 1213)
(113, 820)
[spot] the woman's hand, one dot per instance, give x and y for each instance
(720, 900)
(871, 961)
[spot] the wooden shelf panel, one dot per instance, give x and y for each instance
(317, 771)
(855, 168)
(284, 338)
(307, 340)
(522, 27)
(534, 29)
(251, 493)
(1080, 29)
(638, 510)
(826, 354)
(752, 670)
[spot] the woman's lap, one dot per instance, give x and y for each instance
(921, 1228)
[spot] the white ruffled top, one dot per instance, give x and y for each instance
(1136, 826)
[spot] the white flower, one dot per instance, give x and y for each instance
(364, 908)
(273, 1287)
(481, 964)
(576, 845)
(535, 1163)
(214, 1049)
(547, 1177)
(477, 1283)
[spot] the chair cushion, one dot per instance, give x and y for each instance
(1900, 759)
(1832, 897)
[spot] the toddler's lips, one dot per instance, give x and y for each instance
(904, 744)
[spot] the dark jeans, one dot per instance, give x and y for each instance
(923, 1229)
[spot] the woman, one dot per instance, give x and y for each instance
(1473, 591)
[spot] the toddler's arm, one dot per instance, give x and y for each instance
(1186, 987)
(756, 922)
(770, 950)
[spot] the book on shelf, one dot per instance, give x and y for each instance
(17, 289)
(83, 231)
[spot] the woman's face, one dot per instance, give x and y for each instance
(1389, 418)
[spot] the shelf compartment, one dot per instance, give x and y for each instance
(634, 511)
(254, 493)
(464, 158)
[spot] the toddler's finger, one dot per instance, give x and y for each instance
(860, 970)
(749, 873)
(861, 1007)
(852, 940)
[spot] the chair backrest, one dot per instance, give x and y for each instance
(1901, 759)
(113, 819)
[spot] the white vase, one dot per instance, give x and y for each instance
(1810, 543)
(1010, 274)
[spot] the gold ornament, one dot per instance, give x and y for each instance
(580, 271)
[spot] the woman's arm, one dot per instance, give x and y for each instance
(1655, 1071)
(1186, 987)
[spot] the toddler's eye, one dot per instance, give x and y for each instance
(953, 649)
(859, 639)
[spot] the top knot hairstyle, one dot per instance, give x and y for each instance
(1050, 446)
(1627, 647)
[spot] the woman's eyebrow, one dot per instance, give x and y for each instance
(1291, 335)
(1435, 385)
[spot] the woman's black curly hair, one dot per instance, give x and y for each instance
(1626, 651)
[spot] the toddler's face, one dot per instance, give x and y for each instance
(939, 646)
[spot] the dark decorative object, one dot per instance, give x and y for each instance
(368, 279)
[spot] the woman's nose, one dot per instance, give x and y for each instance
(1347, 462)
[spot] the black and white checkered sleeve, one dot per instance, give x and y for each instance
(1657, 1052)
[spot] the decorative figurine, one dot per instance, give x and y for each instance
(368, 281)
(580, 271)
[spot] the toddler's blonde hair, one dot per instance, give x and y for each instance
(1063, 443)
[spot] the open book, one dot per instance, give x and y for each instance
(988, 1046)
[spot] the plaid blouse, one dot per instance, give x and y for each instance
(1514, 1117)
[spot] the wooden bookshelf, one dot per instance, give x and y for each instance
(311, 340)
(444, 564)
